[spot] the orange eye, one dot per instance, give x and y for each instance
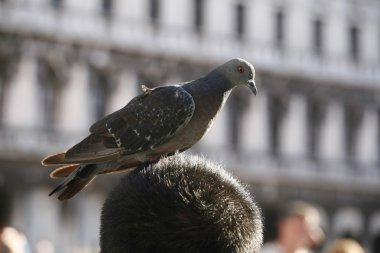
(241, 69)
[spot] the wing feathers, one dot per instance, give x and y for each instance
(144, 123)
(90, 148)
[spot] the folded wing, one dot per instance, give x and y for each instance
(144, 123)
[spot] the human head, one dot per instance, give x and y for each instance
(180, 204)
(299, 225)
(344, 246)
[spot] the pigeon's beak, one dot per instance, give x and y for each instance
(252, 86)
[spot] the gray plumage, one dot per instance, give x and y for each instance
(159, 122)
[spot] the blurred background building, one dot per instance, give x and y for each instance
(312, 132)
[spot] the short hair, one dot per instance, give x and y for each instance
(342, 245)
(180, 204)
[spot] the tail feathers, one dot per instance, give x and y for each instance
(71, 189)
(54, 159)
(63, 171)
(75, 182)
(61, 159)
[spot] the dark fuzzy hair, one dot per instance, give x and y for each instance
(180, 204)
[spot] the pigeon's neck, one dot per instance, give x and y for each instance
(214, 85)
(218, 82)
(209, 95)
(209, 90)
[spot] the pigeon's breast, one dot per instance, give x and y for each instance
(205, 113)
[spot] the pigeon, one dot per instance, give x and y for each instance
(161, 121)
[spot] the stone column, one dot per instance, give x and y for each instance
(86, 219)
(332, 133)
(369, 42)
(125, 89)
(22, 104)
(367, 144)
(217, 137)
(42, 217)
(75, 114)
(293, 133)
(8, 69)
(255, 125)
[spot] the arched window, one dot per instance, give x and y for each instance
(315, 114)
(354, 43)
(279, 28)
(50, 85)
(277, 108)
(238, 103)
(154, 11)
(318, 36)
(240, 20)
(100, 89)
(353, 116)
(348, 222)
(198, 15)
(3, 85)
(107, 8)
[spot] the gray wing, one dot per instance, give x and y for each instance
(144, 123)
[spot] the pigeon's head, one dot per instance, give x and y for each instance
(239, 72)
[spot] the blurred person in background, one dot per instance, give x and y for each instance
(180, 204)
(11, 241)
(298, 229)
(344, 246)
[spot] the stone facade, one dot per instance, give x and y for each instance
(311, 133)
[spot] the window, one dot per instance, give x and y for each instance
(315, 113)
(50, 87)
(378, 140)
(198, 15)
(2, 97)
(354, 34)
(317, 36)
(107, 6)
(279, 28)
(56, 4)
(100, 89)
(239, 102)
(3, 74)
(276, 111)
(154, 11)
(353, 116)
(8, 67)
(240, 19)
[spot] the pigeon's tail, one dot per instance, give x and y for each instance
(63, 171)
(54, 159)
(76, 181)
(61, 159)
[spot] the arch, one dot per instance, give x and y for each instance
(348, 222)
(374, 231)
(374, 223)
